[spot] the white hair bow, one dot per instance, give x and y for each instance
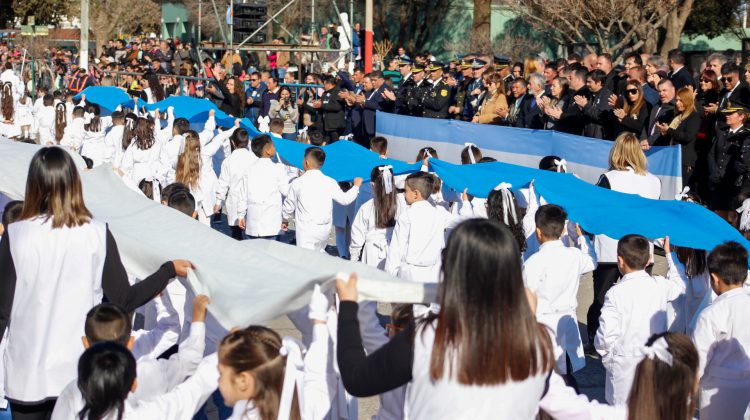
(508, 207)
(420, 311)
(744, 212)
(263, 124)
(155, 188)
(87, 117)
(658, 350)
(562, 165)
(130, 123)
(303, 131)
(471, 153)
(294, 376)
(683, 195)
(386, 173)
(427, 152)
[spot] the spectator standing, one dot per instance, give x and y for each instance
(285, 109)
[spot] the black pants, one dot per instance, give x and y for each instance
(569, 379)
(41, 411)
(237, 232)
(605, 276)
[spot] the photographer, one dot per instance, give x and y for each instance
(287, 110)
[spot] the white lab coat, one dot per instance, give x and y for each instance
(634, 309)
(369, 240)
(627, 181)
(264, 185)
(180, 403)
(113, 140)
(233, 170)
(59, 274)
(94, 147)
(681, 313)
(73, 135)
(24, 114)
(418, 239)
(310, 201)
(561, 402)
(45, 124)
(161, 333)
(722, 337)
(156, 377)
(139, 164)
(205, 192)
(554, 273)
(11, 76)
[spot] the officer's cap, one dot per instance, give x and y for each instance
(435, 66)
(478, 63)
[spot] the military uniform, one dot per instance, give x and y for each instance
(461, 93)
(472, 101)
(728, 168)
(416, 94)
(438, 96)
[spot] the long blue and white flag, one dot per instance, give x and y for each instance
(586, 157)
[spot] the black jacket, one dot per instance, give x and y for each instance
(436, 100)
(636, 124)
(681, 78)
(685, 135)
(333, 110)
(661, 113)
(598, 116)
(724, 152)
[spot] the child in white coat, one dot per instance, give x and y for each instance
(261, 191)
(93, 144)
(310, 201)
(420, 231)
(554, 273)
(194, 171)
(722, 337)
(44, 121)
(634, 309)
(233, 170)
(73, 134)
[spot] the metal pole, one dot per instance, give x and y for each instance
(231, 37)
(200, 35)
(218, 20)
(368, 36)
(33, 68)
(266, 23)
(312, 18)
(351, 27)
(84, 59)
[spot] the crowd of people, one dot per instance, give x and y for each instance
(500, 339)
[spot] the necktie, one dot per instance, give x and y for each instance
(656, 119)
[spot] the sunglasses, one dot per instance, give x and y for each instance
(728, 79)
(705, 81)
(253, 80)
(631, 91)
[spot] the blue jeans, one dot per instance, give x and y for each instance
(224, 411)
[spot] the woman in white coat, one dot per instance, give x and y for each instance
(60, 262)
(481, 298)
(629, 174)
(141, 159)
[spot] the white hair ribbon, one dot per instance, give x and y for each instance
(562, 165)
(386, 172)
(684, 194)
(87, 117)
(303, 131)
(658, 350)
(294, 375)
(471, 153)
(155, 188)
(744, 212)
(508, 207)
(263, 124)
(130, 123)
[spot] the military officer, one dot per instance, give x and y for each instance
(438, 97)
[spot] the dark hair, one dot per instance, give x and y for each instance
(53, 189)
(144, 134)
(550, 219)
(147, 188)
(329, 80)
(182, 201)
(317, 138)
(598, 76)
(728, 262)
(402, 315)
(78, 111)
(379, 145)
(128, 133)
(181, 125)
(239, 139)
(12, 212)
(255, 349)
(423, 182)
(676, 55)
(487, 159)
(661, 391)
(276, 124)
(384, 204)
(486, 332)
(635, 251)
(580, 73)
(107, 322)
(635, 56)
(466, 158)
(729, 68)
(156, 88)
(7, 101)
(693, 259)
(172, 188)
(259, 143)
(118, 116)
(95, 124)
(422, 154)
(548, 163)
(106, 372)
(495, 212)
(61, 121)
(48, 100)
(711, 76)
(316, 155)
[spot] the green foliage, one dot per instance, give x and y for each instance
(44, 11)
(713, 18)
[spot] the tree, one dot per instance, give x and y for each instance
(6, 14)
(480, 27)
(411, 23)
(44, 11)
(611, 26)
(111, 18)
(712, 18)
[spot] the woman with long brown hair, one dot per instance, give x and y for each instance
(141, 159)
(55, 264)
(633, 113)
(482, 356)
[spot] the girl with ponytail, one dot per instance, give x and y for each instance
(94, 146)
(61, 121)
(8, 126)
